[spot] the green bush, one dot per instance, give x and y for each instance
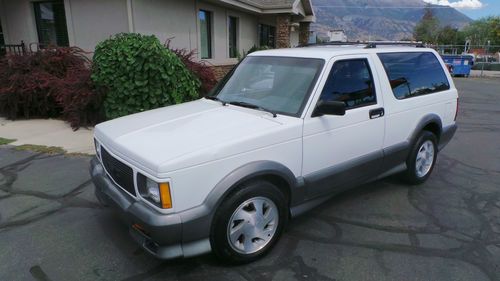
(138, 73)
(251, 50)
(255, 49)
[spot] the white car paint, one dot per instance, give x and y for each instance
(196, 144)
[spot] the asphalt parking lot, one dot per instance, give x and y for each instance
(52, 228)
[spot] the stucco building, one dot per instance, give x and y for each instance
(220, 30)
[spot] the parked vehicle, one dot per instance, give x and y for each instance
(461, 65)
(282, 133)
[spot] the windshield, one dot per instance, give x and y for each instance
(278, 84)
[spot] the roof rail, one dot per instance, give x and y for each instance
(374, 44)
(368, 45)
(333, 43)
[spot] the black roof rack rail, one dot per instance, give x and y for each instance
(386, 43)
(368, 45)
(332, 44)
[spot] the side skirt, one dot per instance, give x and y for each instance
(346, 176)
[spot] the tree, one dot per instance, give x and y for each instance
(495, 22)
(450, 36)
(482, 30)
(427, 30)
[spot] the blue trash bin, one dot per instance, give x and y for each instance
(461, 64)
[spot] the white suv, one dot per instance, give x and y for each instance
(284, 131)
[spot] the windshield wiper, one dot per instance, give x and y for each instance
(252, 106)
(215, 98)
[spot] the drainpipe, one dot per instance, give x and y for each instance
(130, 15)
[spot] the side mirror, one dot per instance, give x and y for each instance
(329, 108)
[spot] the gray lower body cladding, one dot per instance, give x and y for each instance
(164, 236)
(186, 233)
(447, 134)
(321, 185)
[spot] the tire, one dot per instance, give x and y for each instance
(419, 162)
(238, 234)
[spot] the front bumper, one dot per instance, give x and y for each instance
(159, 234)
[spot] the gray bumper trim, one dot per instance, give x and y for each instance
(165, 236)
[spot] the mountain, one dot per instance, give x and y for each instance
(379, 19)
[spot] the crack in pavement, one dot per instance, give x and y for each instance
(445, 229)
(474, 243)
(10, 174)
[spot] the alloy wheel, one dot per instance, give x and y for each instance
(425, 158)
(252, 225)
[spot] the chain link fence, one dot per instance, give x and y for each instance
(486, 57)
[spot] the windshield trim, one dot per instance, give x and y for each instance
(216, 90)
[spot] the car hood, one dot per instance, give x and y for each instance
(180, 136)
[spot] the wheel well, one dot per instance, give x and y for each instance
(433, 128)
(281, 183)
(278, 181)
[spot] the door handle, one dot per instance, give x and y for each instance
(376, 113)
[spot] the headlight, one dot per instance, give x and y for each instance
(156, 193)
(97, 148)
(153, 190)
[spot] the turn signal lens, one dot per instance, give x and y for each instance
(166, 198)
(153, 192)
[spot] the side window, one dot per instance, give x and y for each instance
(351, 82)
(414, 74)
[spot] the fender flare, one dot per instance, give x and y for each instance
(197, 221)
(424, 121)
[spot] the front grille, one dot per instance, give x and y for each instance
(122, 174)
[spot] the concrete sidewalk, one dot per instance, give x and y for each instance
(48, 132)
(486, 74)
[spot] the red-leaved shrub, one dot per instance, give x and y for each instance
(50, 83)
(81, 102)
(202, 71)
(25, 90)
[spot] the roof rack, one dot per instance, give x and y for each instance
(368, 45)
(398, 43)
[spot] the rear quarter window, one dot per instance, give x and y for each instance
(414, 73)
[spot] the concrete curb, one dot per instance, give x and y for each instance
(486, 74)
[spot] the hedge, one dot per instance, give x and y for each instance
(138, 73)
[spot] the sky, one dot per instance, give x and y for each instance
(474, 9)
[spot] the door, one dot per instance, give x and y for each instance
(341, 151)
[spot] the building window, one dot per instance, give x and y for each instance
(51, 23)
(232, 27)
(267, 33)
(2, 41)
(205, 18)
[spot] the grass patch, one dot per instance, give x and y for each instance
(41, 148)
(6, 141)
(78, 154)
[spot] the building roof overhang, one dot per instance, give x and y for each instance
(302, 8)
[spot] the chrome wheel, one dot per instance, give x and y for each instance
(253, 225)
(425, 158)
